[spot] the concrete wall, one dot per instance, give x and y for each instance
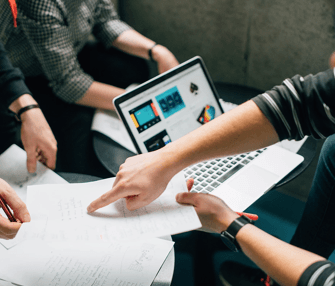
(256, 43)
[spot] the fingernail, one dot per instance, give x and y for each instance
(90, 209)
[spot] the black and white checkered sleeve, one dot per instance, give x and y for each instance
(108, 25)
(47, 32)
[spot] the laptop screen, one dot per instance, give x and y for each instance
(169, 106)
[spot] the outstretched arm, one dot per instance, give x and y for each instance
(143, 178)
(101, 95)
(136, 44)
(285, 263)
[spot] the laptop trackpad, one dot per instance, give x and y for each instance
(254, 180)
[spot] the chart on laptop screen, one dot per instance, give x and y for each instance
(171, 109)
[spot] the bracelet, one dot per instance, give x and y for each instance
(24, 109)
(150, 52)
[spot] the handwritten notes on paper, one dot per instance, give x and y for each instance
(37, 263)
(59, 213)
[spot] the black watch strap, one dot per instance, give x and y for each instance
(24, 109)
(230, 234)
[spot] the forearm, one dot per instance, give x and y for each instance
(283, 262)
(100, 95)
(134, 43)
(22, 101)
(245, 125)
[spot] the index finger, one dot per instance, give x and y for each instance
(110, 197)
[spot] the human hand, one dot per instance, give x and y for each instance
(36, 135)
(38, 140)
(214, 214)
(9, 229)
(140, 180)
(164, 58)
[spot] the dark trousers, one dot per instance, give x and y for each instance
(316, 229)
(71, 123)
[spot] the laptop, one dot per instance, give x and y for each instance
(177, 102)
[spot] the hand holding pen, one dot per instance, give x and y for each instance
(9, 200)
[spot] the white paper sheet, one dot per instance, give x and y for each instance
(35, 263)
(13, 169)
(5, 283)
(109, 124)
(59, 214)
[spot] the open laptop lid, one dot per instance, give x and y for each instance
(169, 106)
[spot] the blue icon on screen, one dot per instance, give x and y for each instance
(170, 102)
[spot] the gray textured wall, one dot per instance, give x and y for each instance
(251, 42)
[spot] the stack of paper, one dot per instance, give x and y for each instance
(63, 245)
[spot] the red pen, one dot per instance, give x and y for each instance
(7, 210)
(251, 216)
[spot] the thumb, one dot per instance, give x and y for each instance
(186, 198)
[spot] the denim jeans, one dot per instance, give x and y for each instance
(316, 229)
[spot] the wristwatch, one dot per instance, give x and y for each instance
(229, 236)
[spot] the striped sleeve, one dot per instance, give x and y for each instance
(321, 273)
(301, 106)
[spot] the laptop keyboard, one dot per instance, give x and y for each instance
(208, 175)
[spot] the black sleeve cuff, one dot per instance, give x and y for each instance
(12, 87)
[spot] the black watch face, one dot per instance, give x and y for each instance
(229, 243)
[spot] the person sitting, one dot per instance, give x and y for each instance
(32, 133)
(69, 75)
(299, 106)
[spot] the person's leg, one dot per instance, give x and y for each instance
(112, 66)
(71, 125)
(316, 229)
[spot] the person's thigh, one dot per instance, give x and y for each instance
(316, 229)
(112, 66)
(71, 125)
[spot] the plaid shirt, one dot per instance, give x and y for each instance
(50, 35)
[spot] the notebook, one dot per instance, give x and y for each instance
(177, 102)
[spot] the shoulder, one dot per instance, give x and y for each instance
(41, 10)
